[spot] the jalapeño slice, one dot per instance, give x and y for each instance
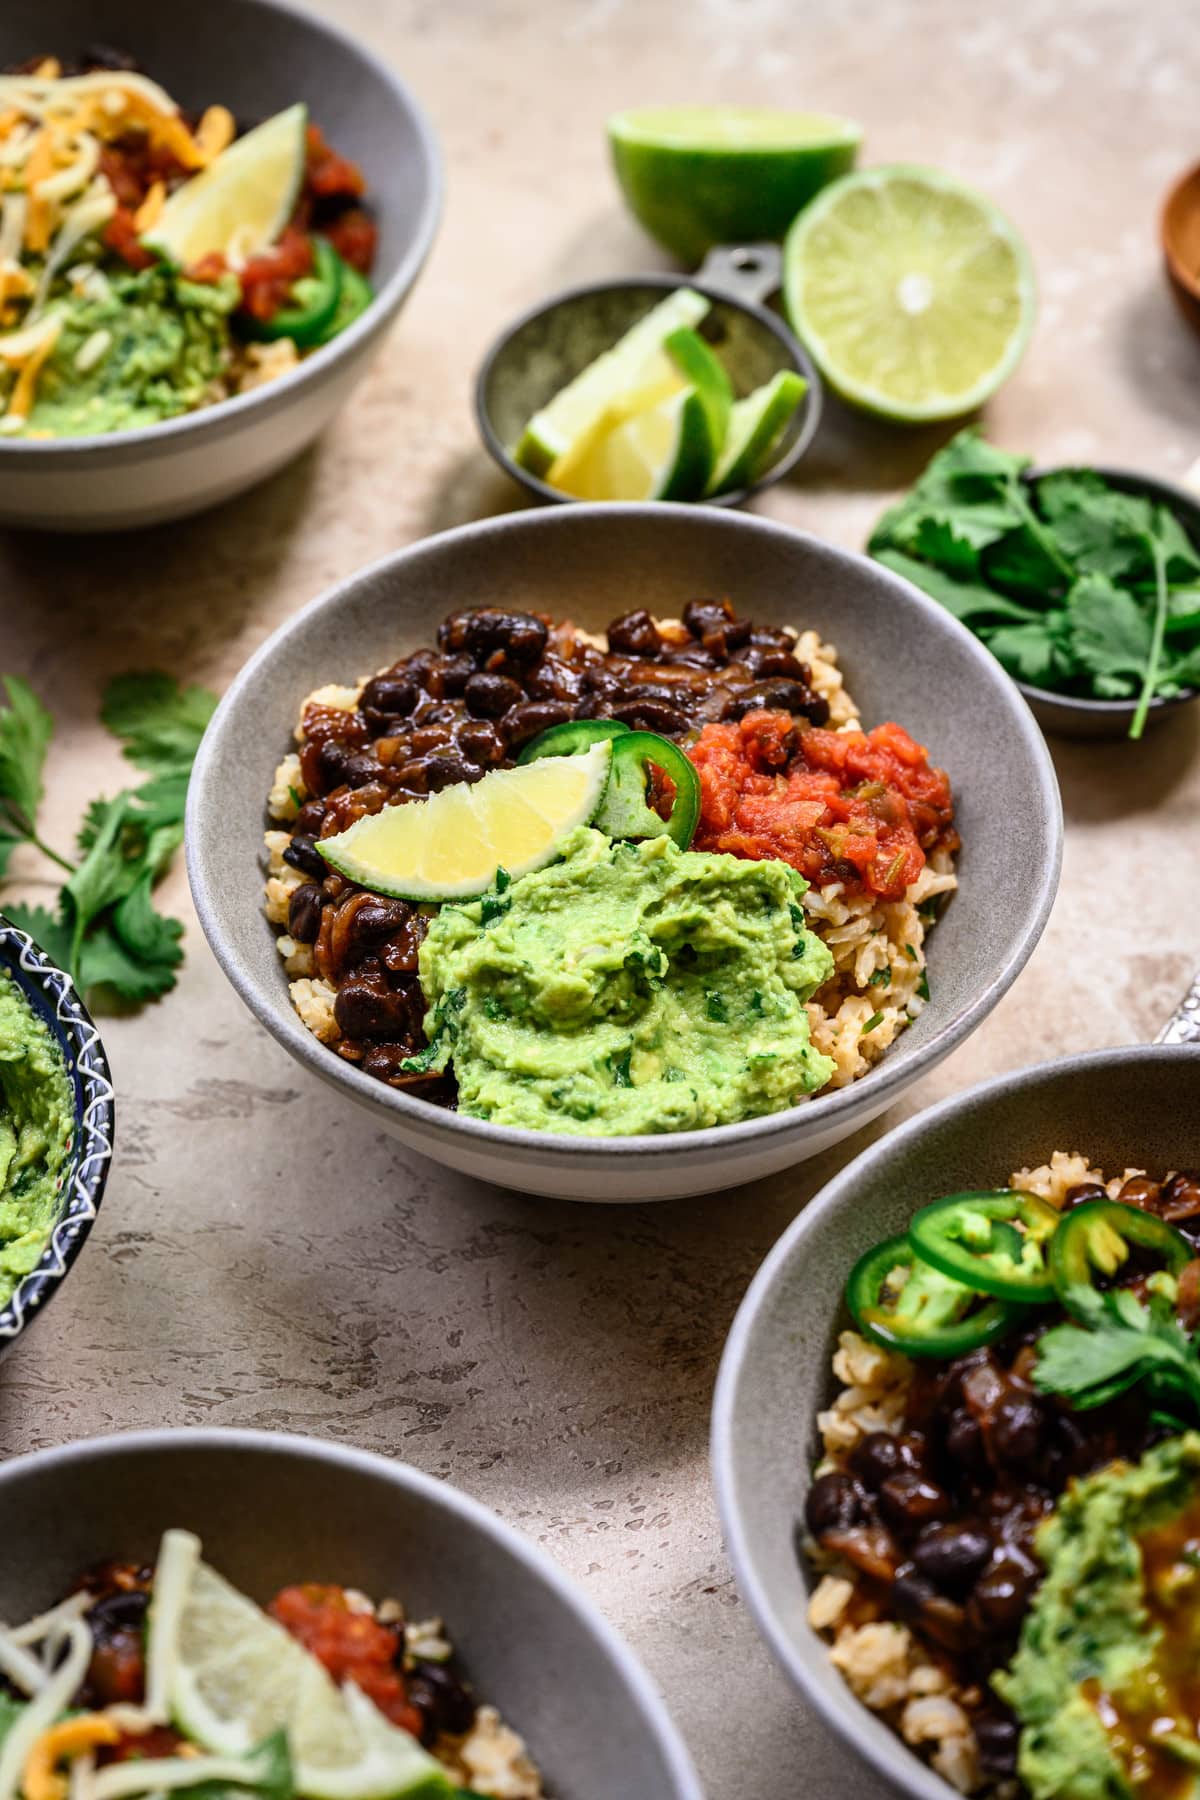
(1097, 1239)
(994, 1241)
(312, 306)
(571, 739)
(905, 1304)
(625, 811)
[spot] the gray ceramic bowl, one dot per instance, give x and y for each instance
(273, 1509)
(904, 658)
(1132, 1106)
(52, 996)
(1066, 715)
(255, 56)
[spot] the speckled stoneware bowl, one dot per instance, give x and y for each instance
(547, 347)
(1065, 715)
(904, 658)
(52, 996)
(1120, 1107)
(256, 57)
(272, 1509)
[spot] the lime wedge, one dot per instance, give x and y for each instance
(576, 411)
(695, 176)
(664, 452)
(700, 366)
(232, 1677)
(241, 201)
(913, 293)
(756, 425)
(455, 843)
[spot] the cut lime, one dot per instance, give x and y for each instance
(696, 176)
(756, 425)
(913, 293)
(455, 843)
(700, 366)
(577, 410)
(242, 201)
(232, 1677)
(664, 452)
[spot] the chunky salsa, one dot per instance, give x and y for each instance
(860, 808)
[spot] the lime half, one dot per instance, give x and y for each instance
(756, 425)
(695, 176)
(913, 293)
(242, 201)
(565, 425)
(231, 1676)
(455, 843)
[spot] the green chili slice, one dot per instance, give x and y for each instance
(1097, 1239)
(571, 739)
(994, 1241)
(312, 306)
(355, 297)
(625, 811)
(904, 1303)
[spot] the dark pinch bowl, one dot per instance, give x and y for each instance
(272, 1509)
(52, 996)
(1066, 715)
(1179, 232)
(548, 346)
(1119, 1107)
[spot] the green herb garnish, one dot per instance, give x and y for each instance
(1117, 1343)
(714, 1006)
(105, 929)
(881, 978)
(874, 1020)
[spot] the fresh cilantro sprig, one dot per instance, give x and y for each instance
(1117, 1343)
(106, 929)
(1072, 584)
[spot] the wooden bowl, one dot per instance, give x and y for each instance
(1179, 228)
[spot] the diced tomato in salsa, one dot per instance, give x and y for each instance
(353, 1646)
(861, 808)
(267, 279)
(121, 236)
(354, 235)
(328, 173)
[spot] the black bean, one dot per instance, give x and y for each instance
(367, 1006)
(998, 1738)
(952, 1556)
(105, 56)
(714, 621)
(444, 1702)
(635, 634)
(449, 680)
(917, 1602)
(779, 696)
(343, 767)
(834, 1503)
(447, 767)
(480, 742)
(1002, 1594)
(880, 1454)
(302, 854)
(1017, 1432)
(523, 722)
(490, 696)
(118, 1611)
(310, 818)
(304, 912)
(772, 637)
(365, 923)
(1181, 1198)
(651, 715)
(1139, 1191)
(1083, 1191)
(909, 1500)
(388, 697)
(488, 631)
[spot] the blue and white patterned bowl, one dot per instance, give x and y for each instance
(52, 996)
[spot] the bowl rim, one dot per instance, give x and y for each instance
(863, 1731)
(227, 415)
(883, 1081)
(91, 1154)
(71, 1459)
(812, 402)
(1174, 493)
(1185, 278)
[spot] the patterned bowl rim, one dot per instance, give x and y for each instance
(92, 1145)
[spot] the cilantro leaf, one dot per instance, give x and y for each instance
(968, 601)
(160, 722)
(1098, 528)
(1110, 635)
(1030, 652)
(1119, 1343)
(50, 931)
(25, 732)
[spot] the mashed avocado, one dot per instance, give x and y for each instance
(36, 1123)
(1104, 1681)
(628, 988)
(134, 349)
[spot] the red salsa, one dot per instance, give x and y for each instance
(861, 808)
(353, 1646)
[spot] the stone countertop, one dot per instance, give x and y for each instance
(260, 1260)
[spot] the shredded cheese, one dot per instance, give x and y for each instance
(45, 1706)
(69, 1738)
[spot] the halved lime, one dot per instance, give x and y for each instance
(756, 425)
(242, 201)
(913, 293)
(696, 176)
(577, 410)
(232, 1676)
(454, 844)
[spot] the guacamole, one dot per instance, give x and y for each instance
(1104, 1680)
(629, 988)
(37, 1115)
(133, 349)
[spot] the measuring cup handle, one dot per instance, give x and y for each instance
(1183, 1026)
(747, 272)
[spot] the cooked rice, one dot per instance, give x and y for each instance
(883, 1664)
(866, 935)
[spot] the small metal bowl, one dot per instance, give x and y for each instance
(1070, 715)
(547, 347)
(52, 996)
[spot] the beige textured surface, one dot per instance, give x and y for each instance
(260, 1261)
